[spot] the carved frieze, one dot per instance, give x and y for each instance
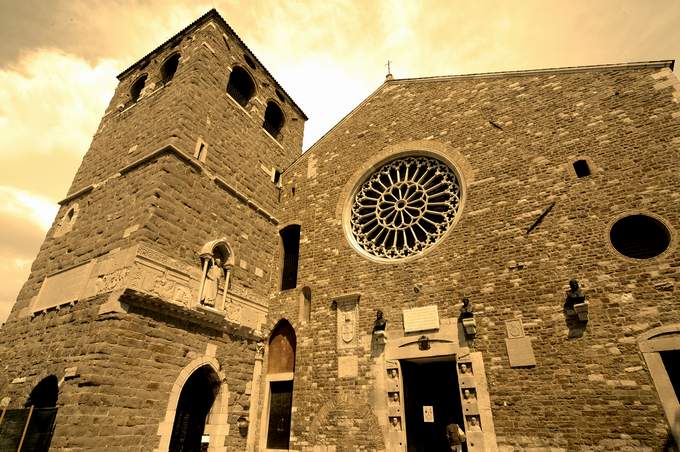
(145, 270)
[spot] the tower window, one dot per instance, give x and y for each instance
(169, 68)
(305, 307)
(581, 168)
(241, 86)
(276, 177)
(273, 120)
(290, 240)
(45, 393)
(201, 150)
(279, 94)
(250, 61)
(137, 88)
(640, 236)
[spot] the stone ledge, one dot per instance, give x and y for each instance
(83, 191)
(166, 149)
(209, 318)
(170, 149)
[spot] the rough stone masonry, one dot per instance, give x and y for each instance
(499, 188)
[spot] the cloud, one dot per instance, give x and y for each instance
(14, 273)
(124, 30)
(24, 219)
(50, 107)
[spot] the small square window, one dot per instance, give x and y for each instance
(581, 168)
(276, 177)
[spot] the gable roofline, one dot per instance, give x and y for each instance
(520, 73)
(559, 70)
(344, 118)
(212, 14)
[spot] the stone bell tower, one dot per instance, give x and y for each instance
(158, 263)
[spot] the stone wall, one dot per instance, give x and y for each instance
(141, 185)
(125, 367)
(128, 190)
(514, 139)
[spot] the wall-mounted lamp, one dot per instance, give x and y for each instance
(242, 424)
(467, 317)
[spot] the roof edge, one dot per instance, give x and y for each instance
(213, 14)
(561, 70)
(336, 125)
(636, 65)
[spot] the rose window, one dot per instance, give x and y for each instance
(405, 207)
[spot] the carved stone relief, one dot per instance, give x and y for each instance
(145, 270)
(348, 314)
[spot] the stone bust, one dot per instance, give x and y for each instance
(574, 295)
(466, 311)
(380, 322)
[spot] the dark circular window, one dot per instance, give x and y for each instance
(640, 236)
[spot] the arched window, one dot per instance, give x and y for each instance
(194, 404)
(241, 86)
(290, 241)
(280, 372)
(137, 87)
(169, 68)
(273, 120)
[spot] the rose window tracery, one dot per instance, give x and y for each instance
(405, 207)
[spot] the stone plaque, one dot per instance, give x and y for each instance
(63, 287)
(421, 319)
(348, 366)
(520, 352)
(514, 328)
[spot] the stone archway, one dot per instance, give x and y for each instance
(347, 424)
(660, 348)
(217, 426)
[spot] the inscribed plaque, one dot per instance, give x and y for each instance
(520, 352)
(421, 319)
(63, 287)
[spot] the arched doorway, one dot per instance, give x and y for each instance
(660, 349)
(280, 373)
(31, 428)
(44, 394)
(193, 407)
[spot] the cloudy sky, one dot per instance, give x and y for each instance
(59, 59)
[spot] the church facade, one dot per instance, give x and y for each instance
(493, 252)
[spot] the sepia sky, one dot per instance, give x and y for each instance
(59, 60)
